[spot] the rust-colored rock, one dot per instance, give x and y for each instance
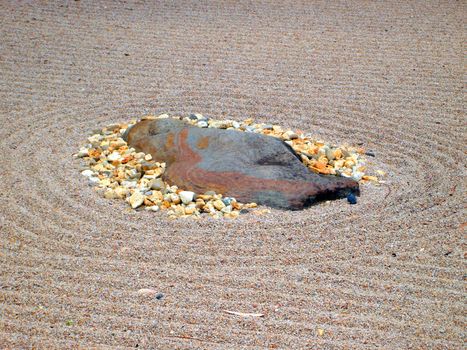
(248, 166)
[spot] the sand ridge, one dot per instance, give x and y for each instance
(387, 272)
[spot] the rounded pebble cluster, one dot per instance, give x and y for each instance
(119, 172)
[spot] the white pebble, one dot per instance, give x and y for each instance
(147, 292)
(357, 176)
(152, 208)
(186, 196)
(114, 156)
(87, 173)
(83, 152)
(93, 180)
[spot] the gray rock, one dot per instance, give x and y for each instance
(250, 167)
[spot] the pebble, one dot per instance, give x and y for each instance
(351, 198)
(186, 196)
(114, 156)
(179, 210)
(227, 200)
(87, 173)
(136, 199)
(290, 135)
(129, 183)
(83, 152)
(93, 180)
(174, 198)
(110, 194)
(218, 204)
(157, 184)
(202, 124)
(330, 154)
(152, 208)
(147, 292)
(227, 209)
(159, 296)
(190, 209)
(121, 192)
(357, 176)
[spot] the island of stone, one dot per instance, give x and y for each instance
(247, 166)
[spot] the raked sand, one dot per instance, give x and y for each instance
(385, 273)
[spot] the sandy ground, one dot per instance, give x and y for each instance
(385, 273)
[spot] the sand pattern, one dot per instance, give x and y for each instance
(387, 272)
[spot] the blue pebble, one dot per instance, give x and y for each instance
(227, 200)
(159, 296)
(352, 199)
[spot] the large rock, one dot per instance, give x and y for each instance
(248, 166)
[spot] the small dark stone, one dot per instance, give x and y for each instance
(193, 117)
(351, 198)
(370, 153)
(394, 255)
(127, 54)
(244, 211)
(159, 296)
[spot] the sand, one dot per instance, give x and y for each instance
(385, 273)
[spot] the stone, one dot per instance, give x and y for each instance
(93, 180)
(87, 173)
(121, 192)
(83, 152)
(227, 209)
(174, 198)
(190, 209)
(147, 292)
(152, 208)
(136, 199)
(186, 196)
(227, 200)
(250, 167)
(290, 135)
(114, 156)
(157, 184)
(110, 194)
(218, 204)
(351, 198)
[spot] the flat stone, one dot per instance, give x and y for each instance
(250, 167)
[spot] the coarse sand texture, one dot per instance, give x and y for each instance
(78, 270)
